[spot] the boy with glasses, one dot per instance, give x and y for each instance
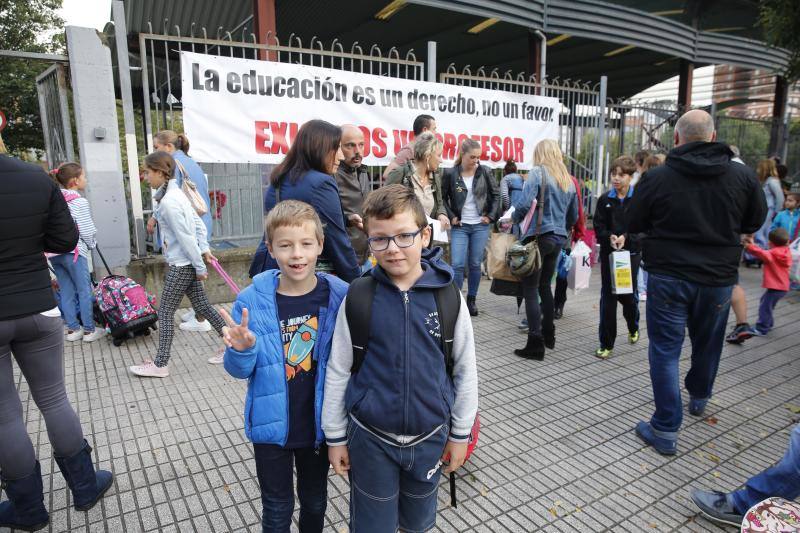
(395, 409)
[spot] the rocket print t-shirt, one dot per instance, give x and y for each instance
(299, 322)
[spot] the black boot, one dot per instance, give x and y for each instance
(558, 312)
(87, 486)
(473, 309)
(534, 348)
(25, 509)
(549, 338)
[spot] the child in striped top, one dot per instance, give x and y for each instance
(72, 269)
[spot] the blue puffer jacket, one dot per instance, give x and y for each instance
(266, 408)
(402, 386)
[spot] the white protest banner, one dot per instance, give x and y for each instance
(248, 111)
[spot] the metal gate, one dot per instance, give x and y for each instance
(51, 85)
(581, 119)
(237, 188)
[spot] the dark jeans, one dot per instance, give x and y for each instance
(779, 480)
(769, 300)
(540, 317)
(392, 486)
(672, 306)
(274, 469)
(608, 303)
(37, 345)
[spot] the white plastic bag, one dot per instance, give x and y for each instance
(580, 271)
(794, 270)
(621, 272)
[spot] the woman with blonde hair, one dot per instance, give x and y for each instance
(550, 184)
(767, 173)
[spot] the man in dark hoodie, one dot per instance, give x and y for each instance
(693, 210)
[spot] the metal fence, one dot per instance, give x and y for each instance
(638, 125)
(751, 136)
(236, 189)
(51, 86)
(581, 122)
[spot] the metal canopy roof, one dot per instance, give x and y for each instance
(636, 43)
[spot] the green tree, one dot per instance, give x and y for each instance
(28, 26)
(780, 20)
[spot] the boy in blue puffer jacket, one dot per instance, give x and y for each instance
(393, 410)
(279, 338)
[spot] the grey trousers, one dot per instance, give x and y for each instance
(37, 344)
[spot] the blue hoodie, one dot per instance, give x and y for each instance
(266, 409)
(402, 386)
(321, 192)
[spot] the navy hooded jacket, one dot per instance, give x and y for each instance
(402, 386)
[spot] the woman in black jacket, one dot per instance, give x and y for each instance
(36, 220)
(470, 196)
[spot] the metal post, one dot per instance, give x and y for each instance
(601, 137)
(148, 119)
(541, 75)
(622, 114)
(124, 69)
(430, 64)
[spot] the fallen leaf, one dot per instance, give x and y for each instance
(558, 503)
(763, 391)
(473, 478)
(763, 434)
(712, 446)
(711, 421)
(484, 491)
(226, 488)
(715, 474)
(714, 458)
(553, 512)
(577, 509)
(653, 525)
(343, 530)
(793, 408)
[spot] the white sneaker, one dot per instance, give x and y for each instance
(195, 325)
(643, 296)
(93, 336)
(148, 369)
(75, 335)
(188, 316)
(217, 359)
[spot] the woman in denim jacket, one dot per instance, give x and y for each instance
(559, 206)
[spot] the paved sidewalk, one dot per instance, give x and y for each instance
(557, 450)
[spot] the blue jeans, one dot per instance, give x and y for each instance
(780, 480)
(75, 290)
(468, 244)
(672, 306)
(274, 470)
(393, 487)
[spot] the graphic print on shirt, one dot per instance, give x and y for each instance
(299, 335)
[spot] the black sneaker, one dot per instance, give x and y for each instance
(740, 333)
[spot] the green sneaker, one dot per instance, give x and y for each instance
(633, 338)
(603, 353)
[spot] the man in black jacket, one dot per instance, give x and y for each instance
(693, 210)
(34, 219)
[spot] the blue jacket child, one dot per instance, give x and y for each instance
(266, 410)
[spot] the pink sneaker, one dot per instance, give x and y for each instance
(217, 359)
(148, 369)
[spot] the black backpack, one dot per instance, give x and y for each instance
(358, 310)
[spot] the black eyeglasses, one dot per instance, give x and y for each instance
(402, 240)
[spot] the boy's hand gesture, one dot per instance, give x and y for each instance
(456, 452)
(339, 459)
(237, 336)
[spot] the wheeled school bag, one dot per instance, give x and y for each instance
(358, 310)
(128, 309)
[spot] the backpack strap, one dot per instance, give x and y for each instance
(448, 304)
(358, 310)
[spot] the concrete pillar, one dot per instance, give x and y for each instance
(264, 21)
(95, 109)
(685, 85)
(776, 137)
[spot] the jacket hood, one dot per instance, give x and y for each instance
(435, 272)
(700, 159)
